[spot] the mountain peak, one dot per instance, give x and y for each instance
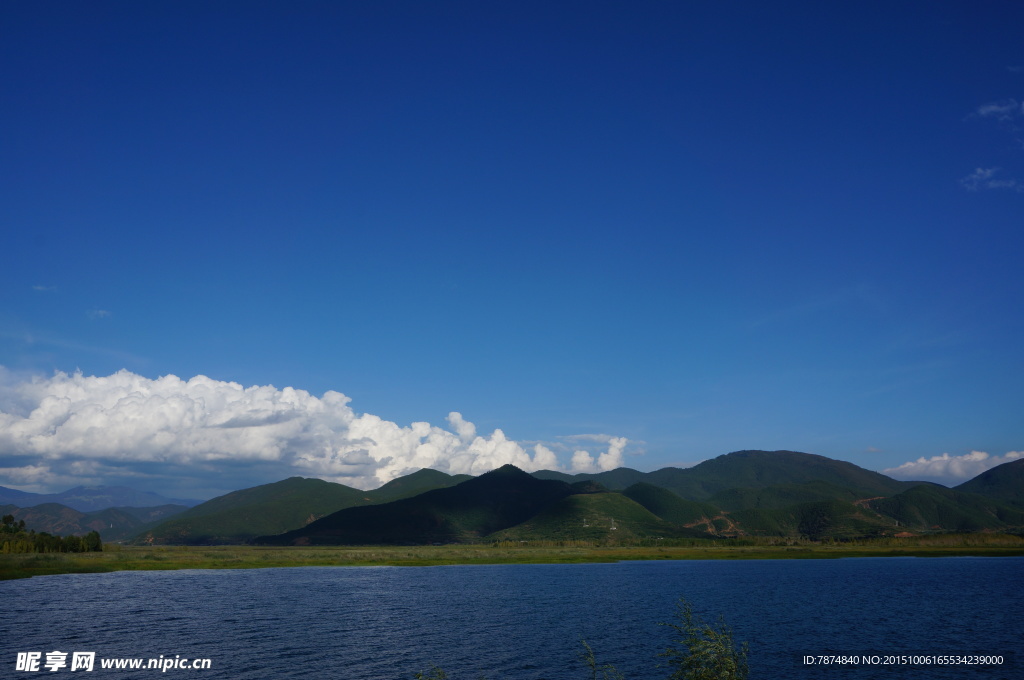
(507, 469)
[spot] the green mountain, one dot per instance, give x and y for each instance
(783, 495)
(770, 493)
(604, 516)
(787, 493)
(239, 516)
(760, 469)
(672, 508)
(815, 520)
(935, 508)
(748, 470)
(414, 484)
(616, 479)
(1004, 483)
(468, 511)
(113, 524)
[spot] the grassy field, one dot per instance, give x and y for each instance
(120, 558)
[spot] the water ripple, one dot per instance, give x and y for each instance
(523, 621)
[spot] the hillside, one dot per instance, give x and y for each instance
(815, 520)
(468, 511)
(672, 508)
(274, 508)
(935, 508)
(414, 484)
(240, 515)
(608, 517)
(1004, 483)
(783, 495)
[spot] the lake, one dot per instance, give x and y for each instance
(524, 621)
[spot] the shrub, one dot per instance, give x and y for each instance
(704, 652)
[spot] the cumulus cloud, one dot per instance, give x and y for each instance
(91, 429)
(951, 470)
(584, 461)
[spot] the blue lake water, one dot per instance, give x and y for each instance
(523, 621)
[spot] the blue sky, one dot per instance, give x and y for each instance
(697, 228)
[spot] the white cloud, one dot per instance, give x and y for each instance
(126, 425)
(584, 461)
(1004, 110)
(951, 470)
(1007, 114)
(984, 178)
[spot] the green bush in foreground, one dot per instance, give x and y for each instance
(699, 652)
(706, 652)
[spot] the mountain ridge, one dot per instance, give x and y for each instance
(113, 524)
(788, 494)
(274, 508)
(92, 498)
(741, 493)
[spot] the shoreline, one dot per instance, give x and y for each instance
(150, 558)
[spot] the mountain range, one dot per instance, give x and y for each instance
(746, 493)
(113, 524)
(768, 493)
(91, 498)
(240, 516)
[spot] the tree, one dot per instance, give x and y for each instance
(93, 542)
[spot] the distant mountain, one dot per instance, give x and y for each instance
(468, 511)
(22, 499)
(113, 524)
(274, 508)
(615, 480)
(91, 498)
(1003, 483)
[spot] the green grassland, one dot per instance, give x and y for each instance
(138, 558)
